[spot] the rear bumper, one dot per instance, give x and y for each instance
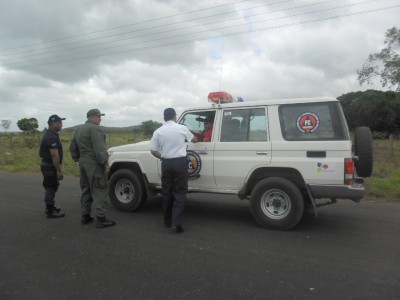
(353, 192)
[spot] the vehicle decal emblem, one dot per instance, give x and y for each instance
(323, 167)
(307, 122)
(194, 164)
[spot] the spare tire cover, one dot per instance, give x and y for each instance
(363, 149)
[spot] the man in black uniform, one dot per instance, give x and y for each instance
(51, 152)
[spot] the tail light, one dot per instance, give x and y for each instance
(348, 171)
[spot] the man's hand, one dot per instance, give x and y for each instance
(107, 169)
(60, 175)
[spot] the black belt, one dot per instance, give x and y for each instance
(182, 157)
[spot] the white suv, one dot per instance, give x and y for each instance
(282, 155)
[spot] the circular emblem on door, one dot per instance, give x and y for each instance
(194, 164)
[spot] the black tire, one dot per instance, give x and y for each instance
(276, 203)
(126, 190)
(364, 151)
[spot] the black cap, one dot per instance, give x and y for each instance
(54, 118)
(169, 112)
(94, 112)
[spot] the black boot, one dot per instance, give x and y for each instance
(86, 219)
(104, 222)
(54, 212)
(55, 209)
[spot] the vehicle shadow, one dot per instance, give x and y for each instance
(230, 211)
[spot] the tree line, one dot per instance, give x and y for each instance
(31, 125)
(378, 110)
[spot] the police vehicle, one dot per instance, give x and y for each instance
(281, 155)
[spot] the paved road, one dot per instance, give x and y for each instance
(351, 251)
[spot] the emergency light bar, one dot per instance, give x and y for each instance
(220, 97)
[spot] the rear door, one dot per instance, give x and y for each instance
(243, 146)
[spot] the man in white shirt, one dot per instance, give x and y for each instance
(169, 144)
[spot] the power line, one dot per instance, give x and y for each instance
(192, 33)
(148, 28)
(131, 24)
(224, 35)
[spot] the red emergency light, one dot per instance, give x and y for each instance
(220, 97)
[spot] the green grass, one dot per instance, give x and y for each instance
(384, 184)
(19, 153)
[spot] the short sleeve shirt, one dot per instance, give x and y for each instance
(207, 136)
(50, 140)
(170, 140)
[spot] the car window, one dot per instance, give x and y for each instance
(194, 121)
(244, 125)
(312, 121)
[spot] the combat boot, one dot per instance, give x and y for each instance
(55, 208)
(103, 222)
(54, 212)
(86, 219)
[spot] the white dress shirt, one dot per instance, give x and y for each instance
(170, 140)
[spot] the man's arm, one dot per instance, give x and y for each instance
(99, 145)
(74, 150)
(156, 153)
(56, 162)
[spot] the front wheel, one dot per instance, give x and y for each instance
(126, 191)
(276, 203)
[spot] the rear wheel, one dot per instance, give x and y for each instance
(126, 191)
(276, 203)
(364, 151)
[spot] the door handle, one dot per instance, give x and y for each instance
(202, 152)
(261, 153)
(316, 153)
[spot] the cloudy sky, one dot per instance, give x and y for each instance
(133, 58)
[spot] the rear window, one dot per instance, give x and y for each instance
(313, 121)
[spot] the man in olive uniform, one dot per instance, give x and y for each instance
(88, 146)
(51, 153)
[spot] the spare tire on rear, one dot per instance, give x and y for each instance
(364, 151)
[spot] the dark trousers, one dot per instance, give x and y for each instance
(50, 182)
(174, 180)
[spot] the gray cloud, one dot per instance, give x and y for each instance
(147, 63)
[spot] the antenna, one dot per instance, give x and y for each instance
(222, 53)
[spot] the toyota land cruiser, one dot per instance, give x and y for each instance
(281, 155)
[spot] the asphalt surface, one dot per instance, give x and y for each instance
(351, 251)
